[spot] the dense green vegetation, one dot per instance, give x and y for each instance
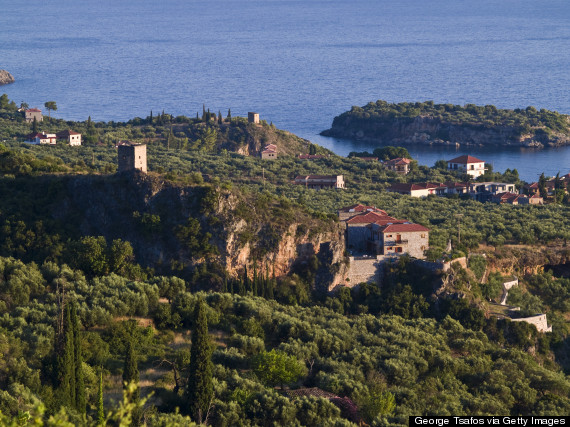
(383, 120)
(103, 276)
(426, 366)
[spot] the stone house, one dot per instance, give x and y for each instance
(377, 233)
(467, 164)
(269, 152)
(69, 136)
(253, 117)
(131, 156)
(319, 182)
(399, 165)
(32, 113)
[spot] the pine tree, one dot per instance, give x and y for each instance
(131, 370)
(80, 401)
(100, 407)
(200, 389)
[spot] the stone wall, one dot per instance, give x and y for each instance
(539, 321)
(369, 270)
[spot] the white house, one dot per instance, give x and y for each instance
(41, 138)
(70, 137)
(467, 164)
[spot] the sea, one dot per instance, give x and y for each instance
(297, 63)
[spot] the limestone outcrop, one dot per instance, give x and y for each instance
(6, 78)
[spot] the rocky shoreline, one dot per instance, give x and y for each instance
(427, 131)
(6, 78)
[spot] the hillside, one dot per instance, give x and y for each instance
(211, 133)
(429, 123)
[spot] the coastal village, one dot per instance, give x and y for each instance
(373, 237)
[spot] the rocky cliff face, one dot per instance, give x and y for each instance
(244, 232)
(6, 78)
(427, 130)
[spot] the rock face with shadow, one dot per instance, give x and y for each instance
(6, 78)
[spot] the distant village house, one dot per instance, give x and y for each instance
(32, 113)
(399, 165)
(481, 191)
(41, 138)
(269, 152)
(467, 164)
(320, 182)
(69, 136)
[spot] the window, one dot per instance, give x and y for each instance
(399, 250)
(423, 236)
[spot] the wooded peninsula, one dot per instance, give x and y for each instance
(429, 123)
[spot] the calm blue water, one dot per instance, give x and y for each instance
(297, 63)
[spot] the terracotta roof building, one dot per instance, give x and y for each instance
(269, 152)
(380, 234)
(32, 113)
(69, 136)
(399, 165)
(467, 164)
(319, 182)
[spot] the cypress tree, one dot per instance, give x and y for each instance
(65, 355)
(131, 370)
(254, 284)
(204, 112)
(229, 115)
(100, 407)
(35, 125)
(200, 389)
(80, 401)
(150, 119)
(220, 120)
(225, 283)
(246, 284)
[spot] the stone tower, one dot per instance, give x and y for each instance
(132, 156)
(253, 117)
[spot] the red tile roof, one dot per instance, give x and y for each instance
(397, 161)
(402, 228)
(368, 218)
(465, 159)
(33, 110)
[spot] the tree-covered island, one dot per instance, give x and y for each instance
(429, 123)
